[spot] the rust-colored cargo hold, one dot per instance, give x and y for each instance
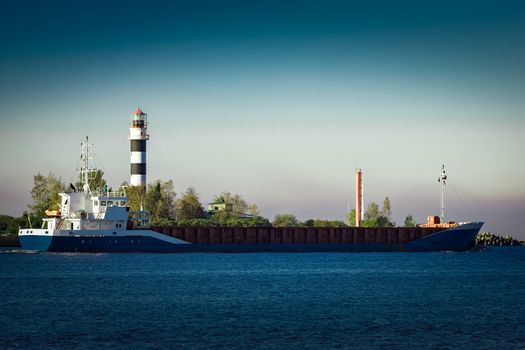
(298, 235)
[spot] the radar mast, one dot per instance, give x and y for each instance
(443, 180)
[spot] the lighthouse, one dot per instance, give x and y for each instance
(138, 135)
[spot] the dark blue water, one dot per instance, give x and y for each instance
(264, 301)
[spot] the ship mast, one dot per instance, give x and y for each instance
(85, 156)
(442, 179)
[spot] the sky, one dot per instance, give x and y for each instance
(279, 101)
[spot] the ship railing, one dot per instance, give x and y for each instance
(139, 219)
(102, 194)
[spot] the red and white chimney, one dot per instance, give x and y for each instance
(358, 197)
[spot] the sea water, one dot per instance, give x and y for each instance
(470, 300)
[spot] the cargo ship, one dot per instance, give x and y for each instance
(101, 221)
(96, 222)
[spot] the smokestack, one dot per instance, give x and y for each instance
(358, 197)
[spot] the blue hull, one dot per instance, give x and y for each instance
(447, 240)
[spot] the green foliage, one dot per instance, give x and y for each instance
(237, 203)
(490, 239)
(162, 222)
(285, 220)
(375, 218)
(386, 211)
(351, 218)
(45, 194)
(195, 222)
(189, 206)
(11, 225)
(160, 201)
(253, 209)
(383, 221)
(229, 222)
(136, 196)
(324, 223)
(409, 221)
(371, 215)
(96, 181)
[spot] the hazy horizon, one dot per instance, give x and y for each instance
(276, 101)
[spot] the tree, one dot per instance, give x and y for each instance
(384, 219)
(253, 209)
(328, 223)
(351, 218)
(11, 224)
(309, 223)
(386, 211)
(189, 206)
(375, 218)
(45, 194)
(371, 215)
(160, 201)
(285, 220)
(95, 179)
(237, 203)
(136, 196)
(409, 221)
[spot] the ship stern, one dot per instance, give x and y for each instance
(32, 241)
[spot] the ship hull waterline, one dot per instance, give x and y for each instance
(446, 240)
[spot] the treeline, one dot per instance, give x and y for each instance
(10, 224)
(168, 209)
(160, 199)
(376, 217)
(490, 239)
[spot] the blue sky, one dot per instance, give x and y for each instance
(278, 101)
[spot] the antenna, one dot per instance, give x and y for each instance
(443, 180)
(86, 156)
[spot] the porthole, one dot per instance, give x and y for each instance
(114, 233)
(47, 232)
